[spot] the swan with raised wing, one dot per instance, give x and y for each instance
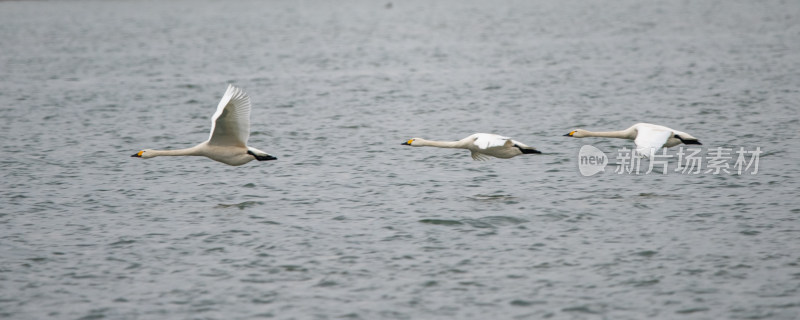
(230, 129)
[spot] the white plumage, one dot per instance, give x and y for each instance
(230, 130)
(481, 146)
(230, 124)
(647, 137)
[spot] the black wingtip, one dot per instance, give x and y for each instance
(527, 150)
(265, 158)
(261, 157)
(688, 141)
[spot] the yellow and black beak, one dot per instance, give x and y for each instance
(407, 143)
(138, 154)
(569, 134)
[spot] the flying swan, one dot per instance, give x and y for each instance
(230, 129)
(481, 145)
(648, 137)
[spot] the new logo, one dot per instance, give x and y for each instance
(591, 160)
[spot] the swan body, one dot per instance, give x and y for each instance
(481, 145)
(230, 129)
(648, 137)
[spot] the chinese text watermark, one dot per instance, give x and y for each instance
(692, 161)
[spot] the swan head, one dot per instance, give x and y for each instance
(144, 154)
(414, 142)
(577, 133)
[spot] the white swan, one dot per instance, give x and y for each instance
(648, 137)
(230, 129)
(482, 145)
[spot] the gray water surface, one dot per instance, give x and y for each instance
(348, 223)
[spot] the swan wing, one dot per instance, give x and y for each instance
(479, 156)
(230, 124)
(485, 141)
(651, 138)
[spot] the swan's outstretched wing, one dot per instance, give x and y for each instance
(230, 125)
(479, 156)
(650, 138)
(485, 141)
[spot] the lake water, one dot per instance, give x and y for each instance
(349, 224)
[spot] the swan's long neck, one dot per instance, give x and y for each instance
(193, 151)
(442, 144)
(623, 134)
